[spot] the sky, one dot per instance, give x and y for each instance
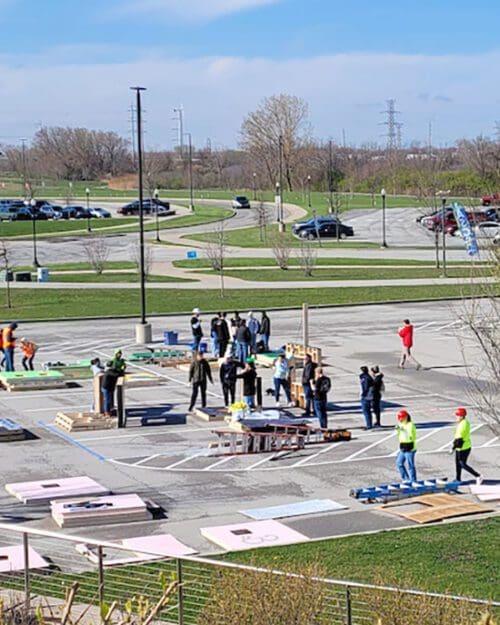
(72, 63)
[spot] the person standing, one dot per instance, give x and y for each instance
(96, 367)
(214, 335)
(407, 435)
(280, 379)
(223, 334)
(307, 378)
(254, 329)
(9, 344)
(377, 390)
(243, 338)
(199, 373)
(108, 386)
(462, 446)
(249, 376)
(29, 349)
(227, 375)
(406, 334)
(321, 386)
(196, 329)
(119, 363)
(366, 382)
(265, 330)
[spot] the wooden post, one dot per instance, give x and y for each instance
(259, 392)
(305, 325)
(120, 403)
(98, 398)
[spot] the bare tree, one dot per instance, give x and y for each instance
(97, 252)
(262, 217)
(307, 258)
(281, 250)
(148, 258)
(280, 118)
(215, 251)
(7, 268)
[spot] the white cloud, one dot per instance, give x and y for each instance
(344, 91)
(192, 10)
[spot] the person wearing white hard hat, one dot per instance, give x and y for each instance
(196, 329)
(253, 326)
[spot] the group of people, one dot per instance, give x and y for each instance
(109, 374)
(242, 337)
(372, 389)
(8, 345)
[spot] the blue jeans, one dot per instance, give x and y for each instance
(9, 358)
(366, 407)
(108, 400)
(280, 383)
(265, 340)
(215, 345)
(249, 400)
(405, 463)
(320, 412)
(196, 343)
(242, 351)
(308, 394)
(253, 343)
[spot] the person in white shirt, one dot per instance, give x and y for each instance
(281, 381)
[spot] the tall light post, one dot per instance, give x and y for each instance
(384, 242)
(309, 192)
(277, 200)
(31, 205)
(143, 330)
(254, 178)
(156, 196)
(87, 193)
(443, 228)
(190, 156)
(280, 150)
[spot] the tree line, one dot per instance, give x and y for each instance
(276, 147)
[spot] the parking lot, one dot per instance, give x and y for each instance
(172, 464)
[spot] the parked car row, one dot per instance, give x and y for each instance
(436, 223)
(322, 228)
(17, 210)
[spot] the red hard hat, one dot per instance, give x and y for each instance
(460, 412)
(402, 414)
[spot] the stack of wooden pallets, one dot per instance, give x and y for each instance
(31, 380)
(295, 350)
(100, 510)
(83, 421)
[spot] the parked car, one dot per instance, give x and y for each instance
(240, 201)
(489, 200)
(326, 230)
(7, 213)
(26, 213)
(48, 210)
(81, 212)
(300, 225)
(148, 205)
(485, 230)
(435, 222)
(64, 212)
(99, 213)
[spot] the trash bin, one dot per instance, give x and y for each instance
(43, 274)
(22, 276)
(169, 337)
(6, 276)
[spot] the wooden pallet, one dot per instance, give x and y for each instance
(435, 508)
(211, 414)
(31, 380)
(297, 393)
(84, 421)
(299, 351)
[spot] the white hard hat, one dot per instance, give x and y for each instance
(250, 314)
(196, 311)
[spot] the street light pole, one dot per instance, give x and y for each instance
(443, 217)
(280, 147)
(156, 195)
(31, 204)
(309, 192)
(190, 154)
(277, 199)
(143, 332)
(254, 186)
(87, 193)
(384, 242)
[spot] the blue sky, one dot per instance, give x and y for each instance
(70, 62)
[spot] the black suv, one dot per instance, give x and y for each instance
(325, 231)
(148, 205)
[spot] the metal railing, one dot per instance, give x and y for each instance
(108, 572)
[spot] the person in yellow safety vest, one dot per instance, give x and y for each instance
(29, 350)
(407, 435)
(462, 446)
(9, 343)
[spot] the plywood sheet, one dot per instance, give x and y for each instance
(12, 559)
(252, 534)
(433, 508)
(42, 491)
(298, 508)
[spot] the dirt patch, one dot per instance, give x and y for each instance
(123, 183)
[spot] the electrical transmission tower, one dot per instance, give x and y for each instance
(394, 127)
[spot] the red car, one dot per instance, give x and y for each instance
(489, 200)
(434, 222)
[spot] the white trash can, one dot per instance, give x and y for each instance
(42, 274)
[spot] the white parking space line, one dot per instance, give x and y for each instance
(268, 458)
(187, 459)
(449, 443)
(219, 462)
(365, 449)
(490, 442)
(448, 325)
(143, 432)
(422, 438)
(426, 325)
(329, 447)
(144, 460)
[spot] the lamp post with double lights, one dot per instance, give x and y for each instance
(156, 197)
(31, 206)
(254, 178)
(309, 192)
(87, 193)
(443, 228)
(190, 156)
(384, 241)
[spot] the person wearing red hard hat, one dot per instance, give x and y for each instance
(462, 446)
(407, 435)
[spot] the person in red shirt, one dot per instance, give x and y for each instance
(406, 334)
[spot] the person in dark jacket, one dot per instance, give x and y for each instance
(307, 378)
(227, 375)
(199, 373)
(366, 382)
(378, 390)
(214, 335)
(223, 334)
(265, 330)
(119, 363)
(243, 338)
(108, 386)
(320, 386)
(249, 376)
(196, 329)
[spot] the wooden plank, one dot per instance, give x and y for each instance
(436, 507)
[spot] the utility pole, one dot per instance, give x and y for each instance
(280, 149)
(179, 117)
(190, 156)
(330, 175)
(443, 219)
(23, 158)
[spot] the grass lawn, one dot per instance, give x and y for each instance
(48, 303)
(352, 273)
(110, 264)
(458, 558)
(249, 237)
(112, 277)
(201, 215)
(61, 226)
